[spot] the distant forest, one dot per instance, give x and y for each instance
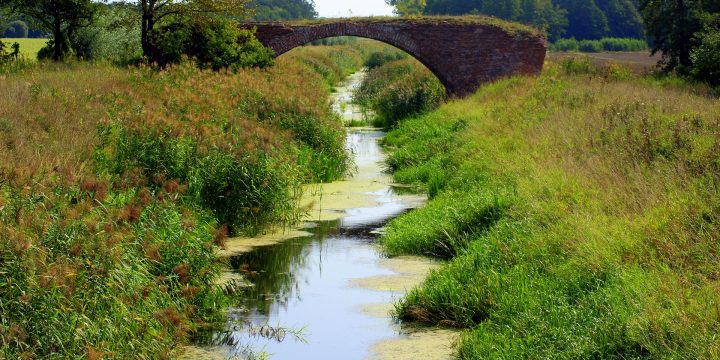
(283, 9)
(581, 19)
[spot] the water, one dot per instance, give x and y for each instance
(330, 283)
(342, 99)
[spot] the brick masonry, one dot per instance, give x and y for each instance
(462, 55)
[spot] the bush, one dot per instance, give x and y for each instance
(16, 29)
(380, 58)
(214, 44)
(604, 44)
(592, 46)
(399, 90)
(335, 41)
(706, 58)
(113, 36)
(623, 44)
(564, 45)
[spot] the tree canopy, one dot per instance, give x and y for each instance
(269, 10)
(59, 17)
(687, 33)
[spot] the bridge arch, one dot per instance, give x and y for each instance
(463, 53)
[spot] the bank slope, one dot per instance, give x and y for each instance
(580, 214)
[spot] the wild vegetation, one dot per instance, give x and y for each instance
(687, 34)
(114, 198)
(397, 89)
(272, 10)
(604, 44)
(578, 212)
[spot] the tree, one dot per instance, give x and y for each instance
(624, 20)
(154, 11)
(59, 17)
(706, 56)
(585, 19)
(408, 7)
(265, 10)
(16, 29)
(672, 24)
(216, 44)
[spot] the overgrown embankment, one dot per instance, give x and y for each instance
(579, 211)
(117, 184)
(397, 88)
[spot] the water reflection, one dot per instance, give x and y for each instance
(307, 282)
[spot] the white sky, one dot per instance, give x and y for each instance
(347, 8)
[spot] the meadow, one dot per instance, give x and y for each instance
(117, 185)
(578, 213)
(29, 48)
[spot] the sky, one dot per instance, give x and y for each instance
(346, 8)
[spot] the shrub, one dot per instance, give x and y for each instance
(214, 44)
(335, 41)
(113, 36)
(5, 53)
(399, 90)
(706, 58)
(564, 45)
(591, 46)
(624, 44)
(379, 58)
(604, 44)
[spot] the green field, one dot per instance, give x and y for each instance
(29, 48)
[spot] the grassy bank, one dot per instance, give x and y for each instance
(579, 211)
(396, 88)
(116, 185)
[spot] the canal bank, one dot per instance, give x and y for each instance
(325, 290)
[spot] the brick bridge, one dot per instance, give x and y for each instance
(462, 52)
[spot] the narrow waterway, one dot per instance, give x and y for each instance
(325, 291)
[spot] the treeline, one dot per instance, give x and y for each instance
(283, 9)
(580, 19)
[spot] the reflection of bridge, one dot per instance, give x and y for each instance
(462, 52)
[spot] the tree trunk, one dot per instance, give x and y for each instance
(148, 8)
(58, 40)
(145, 36)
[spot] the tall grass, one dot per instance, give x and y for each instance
(117, 185)
(587, 209)
(399, 89)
